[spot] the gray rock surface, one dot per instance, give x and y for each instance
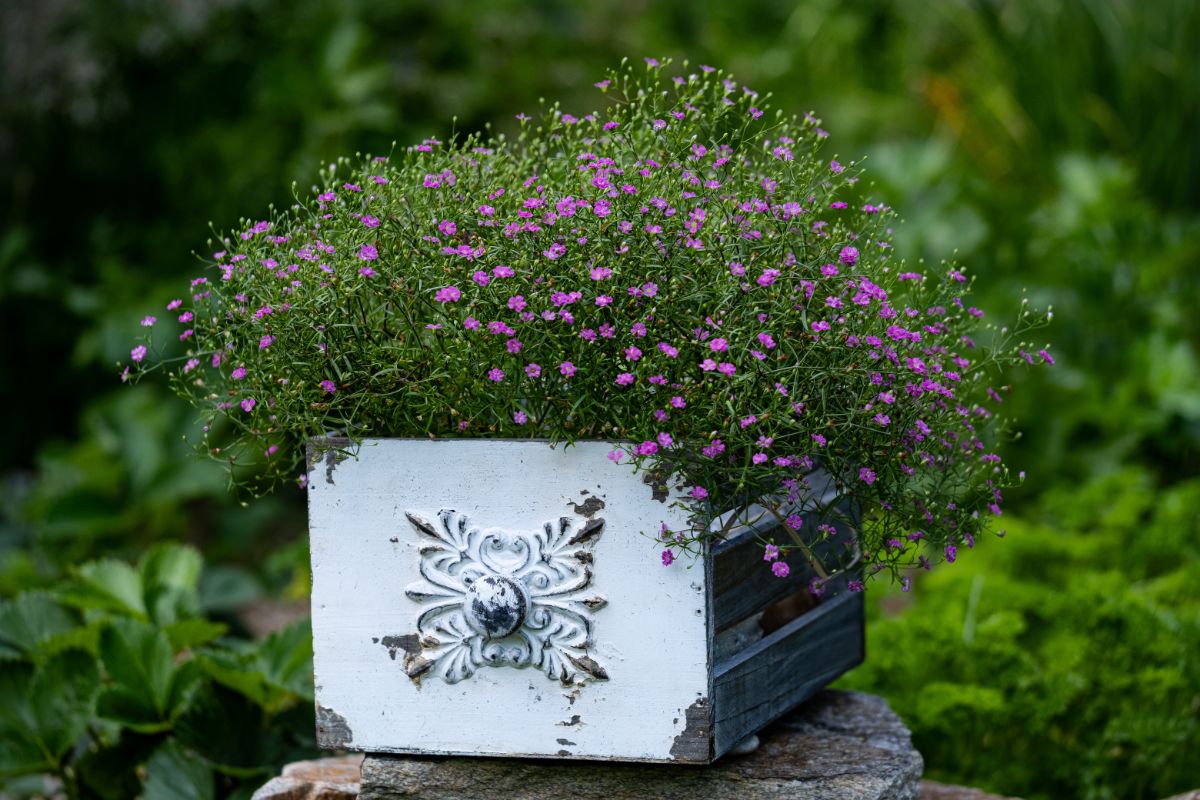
(320, 779)
(932, 790)
(837, 746)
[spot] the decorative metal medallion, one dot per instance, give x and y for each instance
(495, 597)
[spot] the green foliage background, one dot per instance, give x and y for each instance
(1050, 144)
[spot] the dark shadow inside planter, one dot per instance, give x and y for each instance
(783, 611)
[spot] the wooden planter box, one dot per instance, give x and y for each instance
(497, 597)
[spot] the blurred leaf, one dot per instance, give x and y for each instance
(226, 588)
(228, 729)
(276, 674)
(33, 625)
(172, 565)
(190, 633)
(148, 690)
(45, 710)
(108, 585)
(174, 774)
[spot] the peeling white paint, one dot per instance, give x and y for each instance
(365, 553)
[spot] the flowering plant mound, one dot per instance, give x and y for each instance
(681, 273)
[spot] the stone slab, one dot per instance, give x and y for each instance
(321, 779)
(932, 790)
(837, 746)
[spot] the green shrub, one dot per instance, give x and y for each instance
(115, 685)
(1047, 667)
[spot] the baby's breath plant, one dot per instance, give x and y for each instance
(682, 274)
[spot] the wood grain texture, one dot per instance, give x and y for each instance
(774, 675)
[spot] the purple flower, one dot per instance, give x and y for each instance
(266, 342)
(795, 522)
(495, 374)
(368, 252)
(625, 379)
(819, 439)
(448, 294)
(520, 418)
(667, 558)
(248, 404)
(174, 304)
(867, 476)
(781, 569)
(699, 492)
(329, 386)
(148, 320)
(951, 553)
(770, 553)
(646, 448)
(615, 456)
(238, 373)
(567, 369)
(678, 402)
(725, 368)
(533, 370)
(718, 345)
(849, 256)
(138, 353)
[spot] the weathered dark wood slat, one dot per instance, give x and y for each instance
(769, 678)
(742, 582)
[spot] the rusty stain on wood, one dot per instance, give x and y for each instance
(414, 663)
(333, 732)
(410, 643)
(658, 489)
(694, 742)
(588, 508)
(589, 665)
(423, 525)
(590, 530)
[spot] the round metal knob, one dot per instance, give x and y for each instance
(495, 606)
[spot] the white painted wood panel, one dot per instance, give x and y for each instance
(649, 638)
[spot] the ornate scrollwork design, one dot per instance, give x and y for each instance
(494, 597)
